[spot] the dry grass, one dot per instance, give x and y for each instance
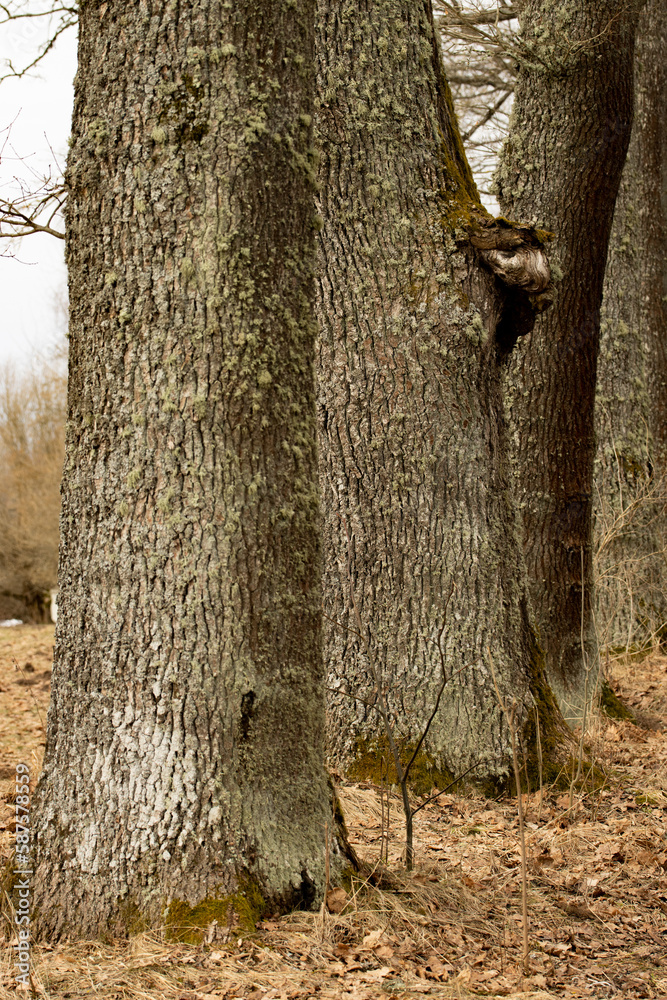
(451, 928)
(32, 448)
(630, 560)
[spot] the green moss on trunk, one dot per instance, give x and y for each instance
(374, 762)
(546, 749)
(238, 912)
(612, 706)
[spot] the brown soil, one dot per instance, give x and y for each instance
(597, 883)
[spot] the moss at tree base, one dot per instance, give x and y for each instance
(374, 762)
(238, 913)
(612, 706)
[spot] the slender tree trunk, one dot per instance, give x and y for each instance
(631, 402)
(420, 523)
(561, 168)
(184, 777)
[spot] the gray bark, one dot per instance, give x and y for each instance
(420, 528)
(631, 472)
(184, 758)
(560, 169)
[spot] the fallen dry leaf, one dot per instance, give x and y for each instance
(336, 900)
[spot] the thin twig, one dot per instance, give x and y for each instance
(30, 692)
(522, 840)
(443, 791)
(442, 686)
(539, 760)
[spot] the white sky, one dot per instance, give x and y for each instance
(40, 108)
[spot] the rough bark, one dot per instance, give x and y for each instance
(560, 169)
(631, 402)
(184, 772)
(420, 528)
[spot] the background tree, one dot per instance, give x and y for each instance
(184, 770)
(631, 412)
(561, 168)
(420, 526)
(482, 52)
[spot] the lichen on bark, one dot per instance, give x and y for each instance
(184, 752)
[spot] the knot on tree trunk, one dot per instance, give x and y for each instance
(524, 267)
(516, 254)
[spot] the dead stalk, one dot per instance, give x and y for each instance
(327, 869)
(539, 762)
(522, 840)
(386, 842)
(30, 692)
(384, 829)
(587, 668)
(327, 877)
(381, 807)
(511, 718)
(402, 773)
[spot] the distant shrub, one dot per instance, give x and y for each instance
(32, 447)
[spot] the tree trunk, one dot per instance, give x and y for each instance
(561, 168)
(631, 402)
(420, 529)
(184, 775)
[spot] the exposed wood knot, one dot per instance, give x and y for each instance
(525, 267)
(516, 254)
(501, 234)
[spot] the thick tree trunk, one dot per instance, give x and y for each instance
(420, 523)
(561, 168)
(184, 775)
(631, 402)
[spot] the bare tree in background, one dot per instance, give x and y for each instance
(57, 18)
(35, 204)
(480, 49)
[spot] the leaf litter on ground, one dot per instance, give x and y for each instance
(597, 883)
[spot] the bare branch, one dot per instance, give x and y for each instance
(487, 116)
(475, 16)
(65, 16)
(35, 207)
(16, 15)
(481, 51)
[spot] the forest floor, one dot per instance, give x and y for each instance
(597, 883)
